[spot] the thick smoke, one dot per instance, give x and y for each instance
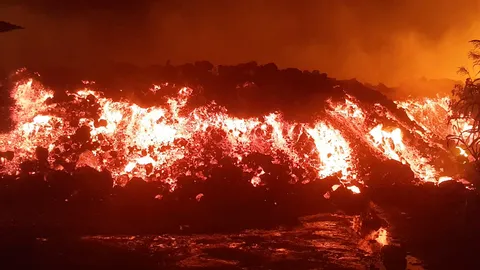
(371, 40)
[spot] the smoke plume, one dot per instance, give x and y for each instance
(372, 40)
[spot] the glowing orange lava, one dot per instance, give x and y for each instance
(152, 142)
(381, 236)
(432, 114)
(161, 143)
(387, 143)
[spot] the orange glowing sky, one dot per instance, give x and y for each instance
(388, 41)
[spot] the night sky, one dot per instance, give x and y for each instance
(372, 40)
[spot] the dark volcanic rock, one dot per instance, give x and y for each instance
(394, 258)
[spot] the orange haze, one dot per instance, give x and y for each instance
(372, 40)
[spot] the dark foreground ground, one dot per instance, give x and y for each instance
(437, 225)
(326, 241)
(242, 229)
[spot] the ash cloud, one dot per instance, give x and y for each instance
(372, 40)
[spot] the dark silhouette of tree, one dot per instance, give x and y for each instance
(465, 106)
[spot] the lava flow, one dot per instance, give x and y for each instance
(162, 143)
(432, 114)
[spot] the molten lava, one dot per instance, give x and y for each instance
(433, 115)
(164, 142)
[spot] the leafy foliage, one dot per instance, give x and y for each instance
(465, 107)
